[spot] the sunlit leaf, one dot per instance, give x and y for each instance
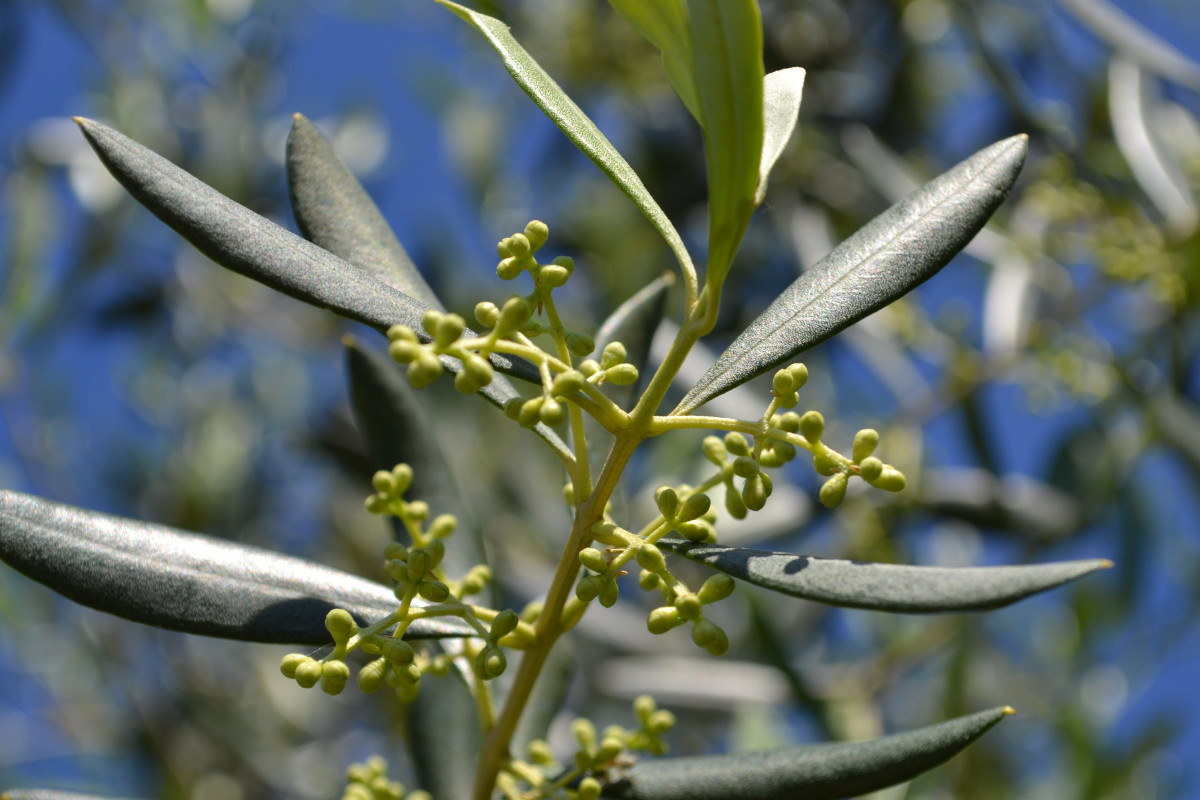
(52, 794)
(335, 212)
(816, 772)
(883, 261)
(884, 587)
(240, 240)
(782, 91)
(664, 23)
(728, 67)
(187, 582)
(571, 120)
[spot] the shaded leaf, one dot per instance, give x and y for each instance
(251, 245)
(443, 735)
(782, 91)
(51, 794)
(883, 261)
(633, 324)
(571, 120)
(664, 23)
(728, 68)
(884, 587)
(335, 212)
(187, 582)
(817, 772)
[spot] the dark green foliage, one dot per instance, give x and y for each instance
(186, 582)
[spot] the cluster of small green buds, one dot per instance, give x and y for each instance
(611, 367)
(516, 251)
(692, 518)
(415, 568)
(474, 582)
(687, 606)
(597, 753)
(507, 319)
(757, 486)
(786, 384)
(873, 471)
(398, 665)
(600, 585)
(491, 662)
(390, 486)
(528, 413)
(654, 724)
(369, 781)
(423, 360)
(331, 673)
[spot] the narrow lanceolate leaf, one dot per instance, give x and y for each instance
(633, 324)
(782, 91)
(817, 772)
(51, 794)
(883, 261)
(240, 240)
(335, 212)
(885, 587)
(728, 66)
(664, 23)
(571, 120)
(186, 582)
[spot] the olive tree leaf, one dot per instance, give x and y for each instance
(782, 91)
(664, 23)
(728, 68)
(334, 211)
(51, 794)
(187, 582)
(571, 120)
(884, 587)
(633, 324)
(816, 772)
(251, 245)
(883, 261)
(443, 734)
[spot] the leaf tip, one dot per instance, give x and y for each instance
(1008, 711)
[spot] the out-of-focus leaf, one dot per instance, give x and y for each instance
(240, 240)
(443, 736)
(633, 324)
(728, 67)
(187, 582)
(884, 587)
(1016, 504)
(397, 429)
(571, 120)
(1127, 35)
(782, 91)
(51, 794)
(817, 772)
(335, 212)
(883, 261)
(664, 23)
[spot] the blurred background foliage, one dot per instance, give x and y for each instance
(1042, 393)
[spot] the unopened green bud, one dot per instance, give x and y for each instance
(371, 677)
(397, 569)
(865, 442)
(334, 677)
(695, 506)
(870, 468)
(404, 351)
(736, 444)
(589, 367)
(812, 425)
(833, 490)
(789, 422)
(608, 533)
(717, 640)
(398, 652)
(566, 262)
(799, 375)
(487, 314)
(540, 753)
(384, 482)
(688, 605)
(715, 589)
(424, 370)
(697, 530)
(502, 248)
(824, 465)
(430, 320)
(567, 383)
(395, 551)
(769, 459)
(515, 312)
(580, 344)
(504, 623)
(437, 551)
(754, 493)
(663, 619)
(614, 353)
(585, 733)
(660, 721)
(890, 480)
(476, 373)
(530, 414)
(308, 673)
(433, 591)
(512, 407)
(589, 789)
(401, 333)
(340, 624)
(610, 748)
(290, 662)
(518, 245)
(651, 558)
(787, 400)
(783, 383)
(734, 503)
(648, 580)
(622, 374)
(643, 707)
(609, 592)
(593, 559)
(551, 411)
(509, 268)
(447, 330)
(553, 276)
(491, 663)
(418, 564)
(476, 579)
(589, 587)
(705, 632)
(745, 467)
(442, 526)
(785, 450)
(667, 501)
(536, 233)
(568, 493)
(714, 450)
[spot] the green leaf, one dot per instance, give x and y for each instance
(633, 324)
(817, 772)
(443, 735)
(728, 67)
(664, 23)
(240, 240)
(571, 120)
(884, 587)
(187, 582)
(335, 212)
(51, 794)
(782, 91)
(883, 261)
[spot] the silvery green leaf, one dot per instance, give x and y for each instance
(335, 212)
(51, 794)
(782, 91)
(816, 772)
(443, 735)
(251, 245)
(187, 582)
(884, 587)
(571, 120)
(883, 261)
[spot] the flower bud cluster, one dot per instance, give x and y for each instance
(414, 568)
(692, 518)
(612, 367)
(687, 606)
(736, 458)
(331, 672)
(369, 781)
(424, 359)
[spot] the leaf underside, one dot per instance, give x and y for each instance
(187, 582)
(884, 587)
(882, 262)
(251, 245)
(817, 772)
